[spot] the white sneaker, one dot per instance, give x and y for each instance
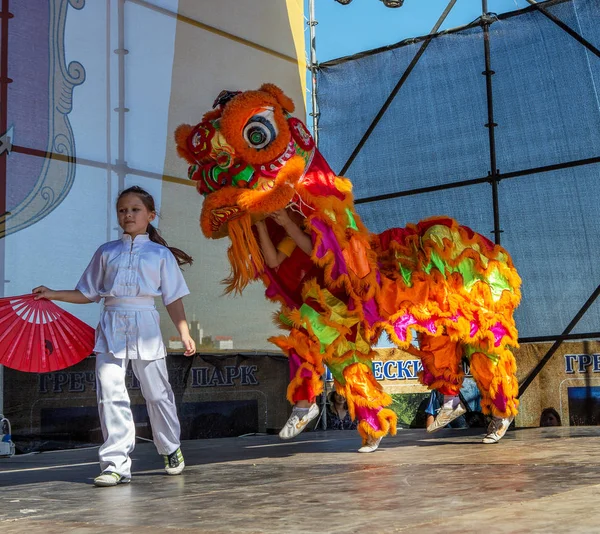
(446, 415)
(298, 421)
(370, 445)
(497, 428)
(174, 463)
(110, 478)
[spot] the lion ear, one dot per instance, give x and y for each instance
(182, 133)
(286, 103)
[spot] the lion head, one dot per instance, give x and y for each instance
(245, 156)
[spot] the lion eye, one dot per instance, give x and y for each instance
(260, 130)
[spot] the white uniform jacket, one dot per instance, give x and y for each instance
(128, 274)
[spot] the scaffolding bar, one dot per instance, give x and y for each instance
(400, 83)
(486, 21)
(475, 181)
(566, 28)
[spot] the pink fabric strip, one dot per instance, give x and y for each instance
(369, 415)
(295, 363)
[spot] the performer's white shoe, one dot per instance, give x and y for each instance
(446, 415)
(371, 444)
(298, 420)
(497, 428)
(110, 478)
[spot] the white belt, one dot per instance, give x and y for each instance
(129, 304)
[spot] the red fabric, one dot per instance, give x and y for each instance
(304, 392)
(39, 337)
(319, 179)
(447, 390)
(425, 225)
(471, 234)
(293, 271)
(399, 235)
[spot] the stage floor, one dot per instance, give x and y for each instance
(534, 480)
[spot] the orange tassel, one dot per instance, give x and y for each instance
(245, 256)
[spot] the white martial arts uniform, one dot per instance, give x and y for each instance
(128, 274)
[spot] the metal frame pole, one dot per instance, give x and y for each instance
(313, 66)
(490, 125)
(542, 9)
(121, 163)
(5, 16)
(109, 187)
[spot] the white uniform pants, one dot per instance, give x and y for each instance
(114, 409)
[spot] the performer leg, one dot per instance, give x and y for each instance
(160, 402)
(162, 411)
(306, 369)
(442, 370)
(365, 397)
(496, 379)
(441, 359)
(116, 420)
(305, 383)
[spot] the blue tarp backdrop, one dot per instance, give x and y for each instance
(546, 101)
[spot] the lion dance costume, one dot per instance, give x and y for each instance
(452, 287)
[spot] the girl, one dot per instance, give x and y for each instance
(550, 417)
(338, 417)
(294, 241)
(128, 274)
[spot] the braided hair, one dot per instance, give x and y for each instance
(181, 257)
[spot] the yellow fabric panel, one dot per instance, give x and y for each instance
(287, 245)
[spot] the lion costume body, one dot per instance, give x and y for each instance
(452, 287)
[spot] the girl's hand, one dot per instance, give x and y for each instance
(189, 345)
(281, 217)
(42, 292)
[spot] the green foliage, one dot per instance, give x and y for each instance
(410, 409)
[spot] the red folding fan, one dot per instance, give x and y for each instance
(37, 336)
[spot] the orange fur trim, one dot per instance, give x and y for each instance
(309, 352)
(417, 250)
(306, 348)
(361, 389)
(316, 384)
(490, 376)
(226, 197)
(387, 421)
(286, 102)
(182, 132)
(343, 185)
(245, 256)
(359, 288)
(453, 307)
(211, 115)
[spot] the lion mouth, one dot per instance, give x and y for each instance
(268, 194)
(271, 169)
(219, 217)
